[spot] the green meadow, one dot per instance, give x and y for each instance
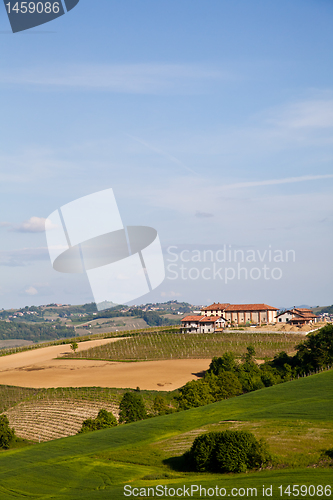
(295, 418)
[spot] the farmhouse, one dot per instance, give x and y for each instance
(297, 316)
(242, 313)
(202, 324)
(216, 316)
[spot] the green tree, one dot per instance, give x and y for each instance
(7, 435)
(74, 346)
(160, 406)
(104, 420)
(317, 350)
(132, 408)
(225, 385)
(226, 362)
(227, 451)
(195, 393)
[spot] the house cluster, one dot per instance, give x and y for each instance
(216, 317)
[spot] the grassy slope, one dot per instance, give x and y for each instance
(97, 465)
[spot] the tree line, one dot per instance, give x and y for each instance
(227, 377)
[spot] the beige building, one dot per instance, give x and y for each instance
(242, 313)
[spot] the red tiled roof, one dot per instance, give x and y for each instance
(191, 318)
(300, 312)
(210, 319)
(215, 307)
(202, 319)
(250, 307)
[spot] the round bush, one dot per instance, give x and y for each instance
(227, 451)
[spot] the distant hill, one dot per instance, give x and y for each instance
(323, 309)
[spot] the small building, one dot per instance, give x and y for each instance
(202, 324)
(297, 316)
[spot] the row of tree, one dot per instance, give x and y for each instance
(33, 332)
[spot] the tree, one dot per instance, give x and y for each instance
(225, 385)
(7, 435)
(132, 408)
(74, 346)
(226, 362)
(104, 420)
(160, 406)
(195, 393)
(317, 351)
(227, 451)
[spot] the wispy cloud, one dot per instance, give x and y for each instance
(159, 151)
(25, 256)
(272, 182)
(32, 225)
(123, 78)
(307, 114)
(35, 225)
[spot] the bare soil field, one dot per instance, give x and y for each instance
(41, 368)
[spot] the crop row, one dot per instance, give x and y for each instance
(47, 420)
(157, 346)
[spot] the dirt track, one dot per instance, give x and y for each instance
(41, 368)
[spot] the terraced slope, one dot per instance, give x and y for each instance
(48, 420)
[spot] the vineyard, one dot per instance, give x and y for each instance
(47, 414)
(160, 345)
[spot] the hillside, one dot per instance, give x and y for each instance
(297, 414)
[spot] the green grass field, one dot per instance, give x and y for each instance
(294, 417)
(154, 346)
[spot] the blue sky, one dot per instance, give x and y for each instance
(212, 122)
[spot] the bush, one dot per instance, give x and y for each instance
(160, 406)
(195, 393)
(103, 420)
(7, 435)
(132, 408)
(227, 451)
(224, 386)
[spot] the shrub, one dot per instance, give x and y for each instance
(195, 393)
(132, 408)
(103, 420)
(7, 435)
(227, 451)
(160, 406)
(225, 385)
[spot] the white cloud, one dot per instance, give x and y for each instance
(35, 225)
(31, 291)
(124, 78)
